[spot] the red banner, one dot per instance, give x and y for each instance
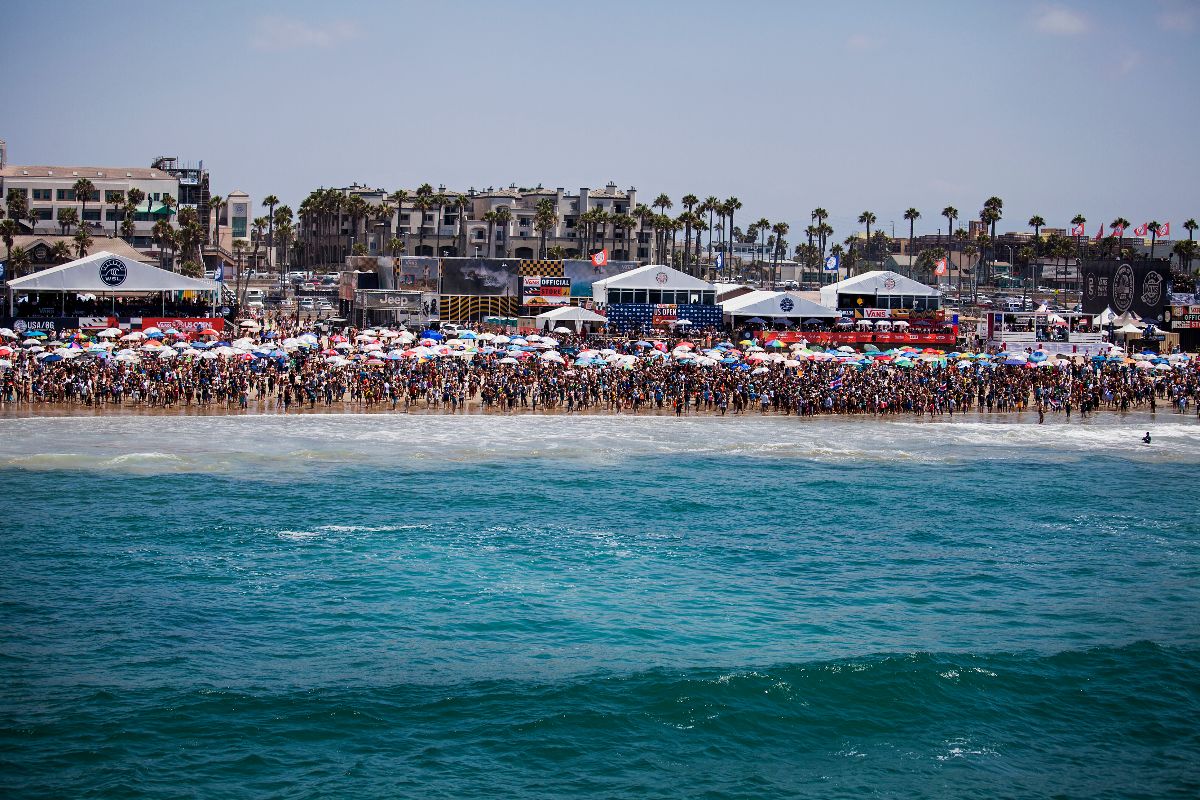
(836, 338)
(188, 325)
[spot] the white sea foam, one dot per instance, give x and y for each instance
(266, 447)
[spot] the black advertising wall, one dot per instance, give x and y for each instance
(1139, 286)
(481, 276)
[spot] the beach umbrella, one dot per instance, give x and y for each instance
(508, 360)
(7, 333)
(37, 335)
(775, 343)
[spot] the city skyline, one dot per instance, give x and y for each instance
(1058, 109)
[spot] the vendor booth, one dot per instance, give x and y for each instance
(776, 307)
(574, 317)
(657, 296)
(97, 280)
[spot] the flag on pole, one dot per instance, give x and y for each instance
(833, 262)
(1078, 230)
(220, 276)
(720, 261)
(941, 268)
(1164, 230)
(1100, 233)
(1118, 232)
(600, 259)
(1142, 230)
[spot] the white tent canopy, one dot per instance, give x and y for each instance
(877, 282)
(104, 272)
(570, 314)
(765, 304)
(652, 276)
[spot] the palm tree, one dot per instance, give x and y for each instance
(162, 233)
(32, 218)
(544, 220)
(780, 229)
(18, 205)
(1037, 223)
(1185, 250)
(951, 214)
(1118, 234)
(439, 201)
(83, 190)
(1190, 226)
(9, 229)
(912, 215)
(1153, 236)
(18, 261)
(239, 249)
(60, 253)
(399, 197)
(83, 240)
(710, 205)
(463, 204)
(282, 218)
(763, 225)
(490, 218)
(1078, 221)
(503, 217)
(731, 207)
(67, 217)
(868, 219)
(269, 202)
(117, 200)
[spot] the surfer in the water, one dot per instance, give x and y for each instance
(1146, 438)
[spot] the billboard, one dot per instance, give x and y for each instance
(1137, 286)
(494, 277)
(545, 290)
(1184, 318)
(583, 272)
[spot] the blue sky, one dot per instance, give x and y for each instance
(1058, 108)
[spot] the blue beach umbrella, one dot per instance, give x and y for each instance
(431, 334)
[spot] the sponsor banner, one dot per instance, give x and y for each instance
(188, 325)
(1183, 318)
(545, 290)
(664, 314)
(899, 313)
(49, 325)
(838, 338)
(1137, 286)
(97, 323)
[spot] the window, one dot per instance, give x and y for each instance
(94, 196)
(115, 214)
(111, 196)
(44, 213)
(43, 194)
(656, 296)
(25, 193)
(66, 194)
(479, 235)
(239, 227)
(141, 216)
(639, 295)
(91, 214)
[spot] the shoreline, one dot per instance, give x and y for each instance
(475, 409)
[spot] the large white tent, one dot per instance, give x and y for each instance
(572, 316)
(878, 283)
(776, 305)
(657, 278)
(107, 273)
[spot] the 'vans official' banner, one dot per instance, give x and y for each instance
(1137, 286)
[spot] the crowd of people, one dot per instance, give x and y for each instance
(283, 367)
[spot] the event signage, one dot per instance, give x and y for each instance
(1123, 286)
(838, 338)
(664, 314)
(545, 290)
(190, 325)
(49, 325)
(1184, 318)
(113, 272)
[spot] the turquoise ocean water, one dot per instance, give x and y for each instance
(348, 606)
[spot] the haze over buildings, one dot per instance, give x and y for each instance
(1059, 108)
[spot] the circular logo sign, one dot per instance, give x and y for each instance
(19, 326)
(786, 304)
(1152, 288)
(662, 277)
(1122, 291)
(889, 283)
(1089, 290)
(112, 272)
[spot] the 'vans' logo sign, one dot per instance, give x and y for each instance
(112, 272)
